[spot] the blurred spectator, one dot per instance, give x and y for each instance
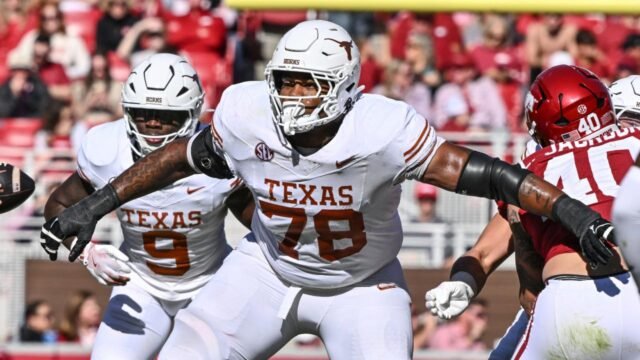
(371, 70)
(23, 94)
(192, 28)
(419, 54)
(81, 319)
(447, 40)
(589, 56)
(399, 83)
(38, 323)
(494, 51)
(52, 74)
(631, 56)
(546, 37)
(56, 130)
(481, 95)
(16, 19)
(424, 324)
(145, 38)
(96, 99)
(465, 331)
(68, 50)
(614, 32)
(114, 24)
(457, 113)
(427, 196)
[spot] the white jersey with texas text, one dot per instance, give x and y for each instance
(174, 237)
(329, 219)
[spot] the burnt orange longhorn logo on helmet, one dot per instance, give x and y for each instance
(346, 45)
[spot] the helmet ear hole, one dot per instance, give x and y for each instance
(182, 91)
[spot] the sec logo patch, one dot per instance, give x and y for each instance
(263, 152)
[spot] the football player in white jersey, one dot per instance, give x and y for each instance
(324, 163)
(626, 209)
(174, 239)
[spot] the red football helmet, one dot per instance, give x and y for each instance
(567, 103)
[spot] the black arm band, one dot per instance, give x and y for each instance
(204, 157)
(573, 215)
(491, 178)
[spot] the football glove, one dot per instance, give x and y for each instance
(593, 242)
(449, 299)
(106, 263)
(78, 220)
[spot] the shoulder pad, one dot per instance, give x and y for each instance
(102, 143)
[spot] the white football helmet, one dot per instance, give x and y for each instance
(625, 95)
(326, 52)
(164, 86)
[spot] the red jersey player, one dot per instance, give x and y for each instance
(570, 116)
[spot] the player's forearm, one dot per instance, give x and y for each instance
(491, 249)
(529, 263)
(72, 190)
(154, 172)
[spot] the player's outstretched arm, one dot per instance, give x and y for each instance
(473, 173)
(469, 273)
(162, 167)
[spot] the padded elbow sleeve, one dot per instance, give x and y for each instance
(203, 156)
(491, 178)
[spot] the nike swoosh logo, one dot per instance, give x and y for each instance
(191, 191)
(343, 163)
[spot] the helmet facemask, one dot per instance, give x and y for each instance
(628, 117)
(289, 111)
(141, 143)
(328, 54)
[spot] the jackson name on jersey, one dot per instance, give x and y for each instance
(329, 219)
(174, 237)
(589, 170)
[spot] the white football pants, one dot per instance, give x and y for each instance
(247, 312)
(135, 325)
(582, 318)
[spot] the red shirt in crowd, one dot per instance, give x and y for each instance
(53, 74)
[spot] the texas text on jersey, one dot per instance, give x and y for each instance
(174, 237)
(334, 211)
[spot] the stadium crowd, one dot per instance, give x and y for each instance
(62, 64)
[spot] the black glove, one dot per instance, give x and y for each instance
(593, 243)
(78, 220)
(588, 226)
